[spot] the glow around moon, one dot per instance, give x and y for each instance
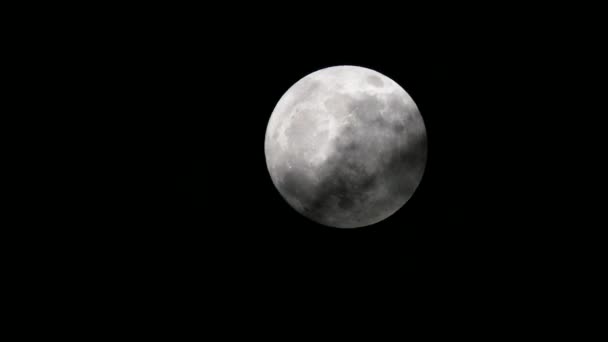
(346, 146)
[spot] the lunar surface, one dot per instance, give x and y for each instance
(346, 146)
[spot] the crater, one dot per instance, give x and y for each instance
(299, 130)
(367, 109)
(337, 104)
(375, 80)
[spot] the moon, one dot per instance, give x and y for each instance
(346, 146)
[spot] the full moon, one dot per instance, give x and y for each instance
(346, 146)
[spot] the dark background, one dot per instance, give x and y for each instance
(187, 199)
(203, 119)
(155, 201)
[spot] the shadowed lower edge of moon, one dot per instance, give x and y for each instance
(342, 201)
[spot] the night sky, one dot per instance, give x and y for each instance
(203, 207)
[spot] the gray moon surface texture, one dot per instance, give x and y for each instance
(346, 146)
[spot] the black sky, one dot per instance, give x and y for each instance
(194, 99)
(156, 117)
